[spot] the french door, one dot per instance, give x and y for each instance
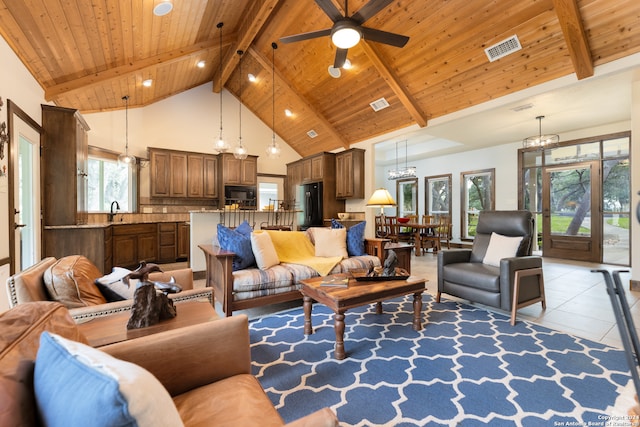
(571, 212)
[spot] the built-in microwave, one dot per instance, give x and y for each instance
(246, 194)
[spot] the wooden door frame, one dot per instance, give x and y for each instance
(12, 153)
(574, 247)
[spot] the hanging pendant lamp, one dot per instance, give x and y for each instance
(221, 146)
(240, 152)
(541, 141)
(273, 150)
(400, 173)
(126, 158)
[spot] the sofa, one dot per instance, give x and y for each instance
(201, 375)
(78, 274)
(252, 286)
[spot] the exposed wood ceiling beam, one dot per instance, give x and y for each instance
(133, 67)
(254, 18)
(266, 64)
(394, 83)
(575, 37)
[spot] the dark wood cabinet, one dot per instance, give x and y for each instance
(184, 241)
(183, 174)
(64, 166)
(133, 243)
(350, 174)
(95, 243)
(167, 241)
(238, 171)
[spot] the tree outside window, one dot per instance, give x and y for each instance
(478, 194)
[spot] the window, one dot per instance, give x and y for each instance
(108, 182)
(407, 197)
(437, 196)
(477, 194)
(266, 191)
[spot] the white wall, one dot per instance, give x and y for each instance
(17, 85)
(189, 121)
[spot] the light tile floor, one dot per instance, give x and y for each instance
(577, 299)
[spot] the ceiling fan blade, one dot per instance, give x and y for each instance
(370, 9)
(330, 9)
(305, 36)
(341, 56)
(385, 37)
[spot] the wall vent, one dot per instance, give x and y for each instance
(503, 48)
(312, 133)
(379, 104)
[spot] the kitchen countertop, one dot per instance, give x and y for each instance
(105, 224)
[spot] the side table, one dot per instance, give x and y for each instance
(403, 252)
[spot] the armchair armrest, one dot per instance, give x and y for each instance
(219, 275)
(191, 357)
(322, 418)
(450, 257)
(508, 267)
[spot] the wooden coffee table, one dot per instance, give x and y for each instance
(340, 299)
(111, 329)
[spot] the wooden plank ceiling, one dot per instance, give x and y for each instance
(88, 55)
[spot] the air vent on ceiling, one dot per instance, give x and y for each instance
(522, 107)
(312, 133)
(503, 48)
(379, 104)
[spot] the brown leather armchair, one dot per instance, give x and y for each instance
(515, 283)
(28, 286)
(206, 369)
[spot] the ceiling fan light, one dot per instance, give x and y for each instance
(345, 35)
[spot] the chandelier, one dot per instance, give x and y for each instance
(407, 171)
(541, 141)
(125, 158)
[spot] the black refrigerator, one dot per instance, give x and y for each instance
(310, 196)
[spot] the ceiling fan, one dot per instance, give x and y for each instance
(348, 30)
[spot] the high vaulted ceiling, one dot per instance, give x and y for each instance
(89, 54)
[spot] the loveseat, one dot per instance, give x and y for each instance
(78, 278)
(248, 287)
(202, 376)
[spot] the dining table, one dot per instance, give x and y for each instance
(419, 229)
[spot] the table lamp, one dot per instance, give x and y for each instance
(382, 198)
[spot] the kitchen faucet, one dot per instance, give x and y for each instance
(112, 214)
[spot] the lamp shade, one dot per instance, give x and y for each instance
(381, 198)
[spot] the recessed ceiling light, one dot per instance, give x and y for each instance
(288, 113)
(201, 64)
(147, 83)
(252, 78)
(163, 8)
(312, 134)
(347, 64)
(334, 72)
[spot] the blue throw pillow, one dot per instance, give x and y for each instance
(237, 241)
(244, 228)
(76, 385)
(355, 237)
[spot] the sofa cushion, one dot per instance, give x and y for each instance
(21, 328)
(331, 242)
(263, 250)
(302, 272)
(357, 263)
(473, 275)
(76, 385)
(114, 288)
(254, 279)
(501, 247)
(70, 281)
(237, 241)
(355, 237)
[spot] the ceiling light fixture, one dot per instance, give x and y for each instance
(273, 150)
(541, 141)
(400, 173)
(221, 146)
(347, 64)
(345, 34)
(252, 78)
(288, 113)
(201, 64)
(163, 8)
(334, 72)
(240, 152)
(125, 158)
(147, 83)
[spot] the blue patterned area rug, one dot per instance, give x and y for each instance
(467, 367)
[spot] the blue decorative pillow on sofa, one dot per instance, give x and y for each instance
(355, 237)
(239, 242)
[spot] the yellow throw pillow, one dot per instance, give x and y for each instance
(331, 242)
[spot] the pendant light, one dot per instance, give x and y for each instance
(273, 150)
(240, 152)
(541, 141)
(221, 146)
(126, 158)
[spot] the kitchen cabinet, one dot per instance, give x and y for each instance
(184, 241)
(133, 243)
(238, 171)
(183, 174)
(167, 241)
(350, 174)
(94, 242)
(64, 166)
